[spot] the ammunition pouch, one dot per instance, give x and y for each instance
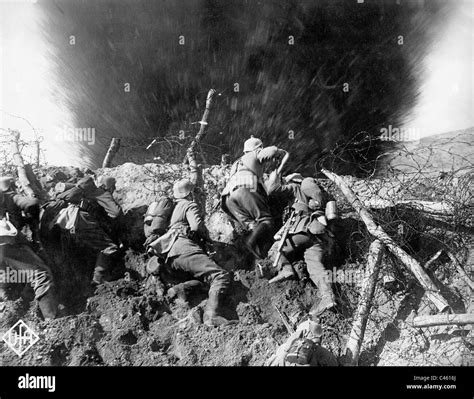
(316, 225)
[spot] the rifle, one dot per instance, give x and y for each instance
(284, 235)
(285, 320)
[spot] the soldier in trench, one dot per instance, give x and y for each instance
(245, 199)
(15, 251)
(177, 246)
(310, 234)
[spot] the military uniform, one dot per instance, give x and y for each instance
(16, 254)
(181, 250)
(303, 348)
(245, 198)
(308, 236)
(93, 228)
(186, 255)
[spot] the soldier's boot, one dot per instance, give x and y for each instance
(98, 276)
(101, 270)
(254, 242)
(326, 302)
(184, 290)
(285, 273)
(211, 316)
(48, 305)
(318, 274)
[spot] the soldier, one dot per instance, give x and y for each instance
(181, 251)
(16, 254)
(245, 199)
(91, 227)
(310, 234)
(303, 348)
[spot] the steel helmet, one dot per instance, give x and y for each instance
(107, 181)
(5, 182)
(182, 188)
(310, 329)
(252, 144)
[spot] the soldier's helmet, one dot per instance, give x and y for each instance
(182, 188)
(252, 144)
(5, 183)
(107, 181)
(310, 329)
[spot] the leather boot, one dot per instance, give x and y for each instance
(184, 290)
(211, 317)
(254, 242)
(285, 273)
(48, 305)
(101, 270)
(327, 302)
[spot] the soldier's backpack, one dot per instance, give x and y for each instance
(157, 222)
(158, 216)
(300, 352)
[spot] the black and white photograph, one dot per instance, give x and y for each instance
(237, 183)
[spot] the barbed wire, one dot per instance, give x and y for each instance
(439, 171)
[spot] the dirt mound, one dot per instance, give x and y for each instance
(125, 322)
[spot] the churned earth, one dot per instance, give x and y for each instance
(125, 322)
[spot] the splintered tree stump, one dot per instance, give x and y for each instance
(113, 149)
(195, 169)
(38, 154)
(359, 325)
(20, 165)
(190, 154)
(432, 291)
(443, 320)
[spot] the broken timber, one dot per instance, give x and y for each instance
(113, 149)
(20, 165)
(432, 291)
(195, 169)
(443, 320)
(356, 337)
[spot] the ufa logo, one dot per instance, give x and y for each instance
(20, 338)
